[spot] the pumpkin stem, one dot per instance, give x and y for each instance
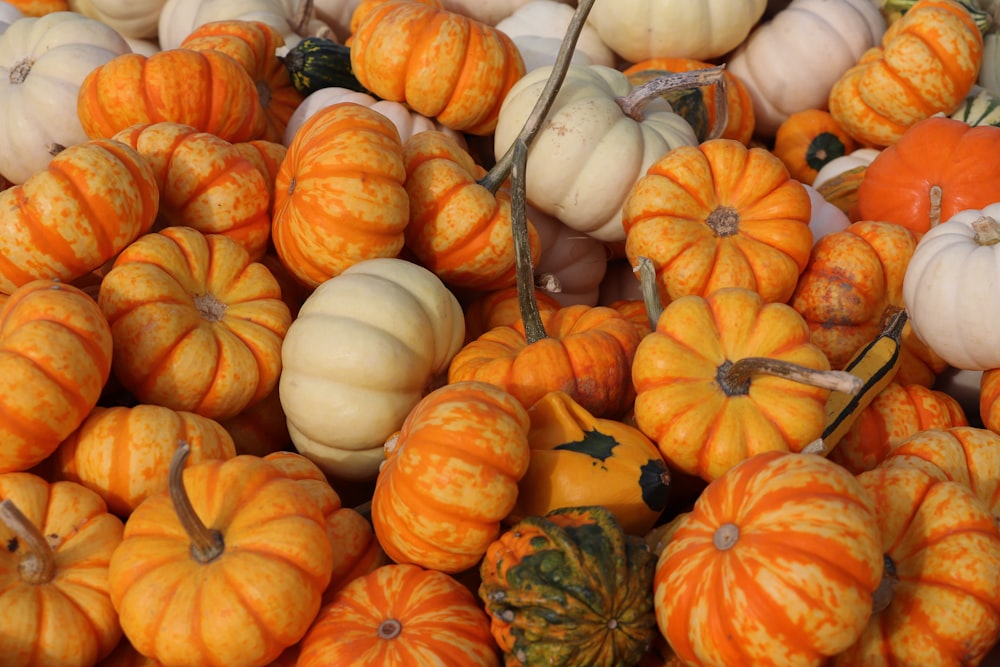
(935, 211)
(724, 221)
(389, 629)
(734, 377)
(726, 536)
(209, 307)
(650, 294)
(987, 230)
(549, 282)
(37, 565)
(498, 174)
(633, 103)
(19, 72)
(527, 300)
(883, 595)
(206, 544)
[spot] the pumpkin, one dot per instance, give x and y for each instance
(261, 428)
(400, 615)
(197, 325)
(698, 395)
(980, 107)
(593, 145)
(254, 44)
(131, 20)
(207, 90)
(490, 12)
(499, 308)
(986, 398)
(292, 18)
(938, 167)
(339, 195)
(205, 183)
(569, 588)
(465, 71)
(55, 356)
(8, 14)
(942, 554)
(360, 354)
(719, 215)
(55, 607)
(641, 29)
(806, 140)
(739, 121)
(122, 453)
(943, 289)
(91, 201)
(36, 8)
(43, 63)
(267, 157)
(578, 459)
(897, 412)
(839, 179)
(572, 265)
(927, 63)
(790, 62)
(125, 655)
(778, 531)
(450, 476)
(316, 63)
(825, 217)
(538, 27)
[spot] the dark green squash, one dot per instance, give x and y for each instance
(319, 62)
(570, 589)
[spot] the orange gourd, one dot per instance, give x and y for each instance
(499, 308)
(719, 215)
(339, 195)
(441, 64)
(806, 140)
(207, 90)
(989, 406)
(267, 156)
(197, 325)
(55, 357)
(261, 428)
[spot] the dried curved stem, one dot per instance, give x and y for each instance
(527, 300)
(735, 376)
(38, 563)
(206, 544)
(650, 294)
(633, 103)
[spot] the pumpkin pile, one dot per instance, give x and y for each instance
(613, 333)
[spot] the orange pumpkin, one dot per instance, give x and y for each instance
(123, 453)
(261, 428)
(339, 195)
(55, 609)
(234, 558)
(197, 325)
(989, 406)
(125, 655)
(806, 140)
(441, 64)
(400, 615)
(92, 200)
(267, 156)
(55, 357)
(254, 45)
(778, 531)
(207, 90)
(499, 308)
(450, 476)
(204, 182)
(927, 63)
(719, 215)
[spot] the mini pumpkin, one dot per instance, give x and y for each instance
(807, 140)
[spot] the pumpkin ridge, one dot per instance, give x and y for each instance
(913, 93)
(75, 398)
(946, 60)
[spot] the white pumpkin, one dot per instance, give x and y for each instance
(336, 14)
(572, 264)
(138, 19)
(179, 18)
(537, 51)
(8, 14)
(791, 62)
(549, 20)
(146, 47)
(825, 217)
(489, 12)
(43, 62)
(407, 122)
(860, 157)
(588, 153)
(950, 289)
(363, 350)
(700, 29)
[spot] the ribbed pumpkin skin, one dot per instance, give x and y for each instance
(68, 621)
(719, 215)
(944, 548)
(807, 546)
(252, 601)
(441, 64)
(91, 201)
(898, 412)
(808, 139)
(569, 588)
(197, 325)
(55, 356)
(205, 183)
(339, 196)
(253, 45)
(207, 90)
(441, 623)
(927, 63)
(450, 476)
(123, 453)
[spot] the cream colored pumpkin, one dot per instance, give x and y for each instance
(703, 29)
(588, 153)
(489, 12)
(825, 217)
(861, 157)
(407, 122)
(949, 289)
(572, 265)
(791, 62)
(138, 19)
(538, 28)
(8, 14)
(336, 14)
(43, 62)
(146, 47)
(179, 18)
(364, 348)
